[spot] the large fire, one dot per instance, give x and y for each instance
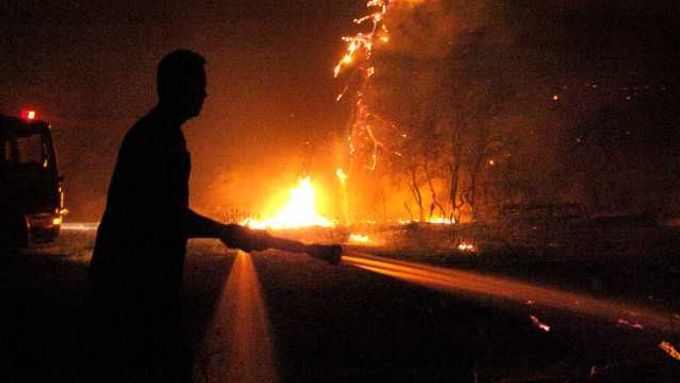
(299, 210)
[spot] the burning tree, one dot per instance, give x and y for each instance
(469, 105)
(440, 95)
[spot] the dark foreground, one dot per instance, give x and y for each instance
(283, 317)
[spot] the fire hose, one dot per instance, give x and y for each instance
(261, 240)
(327, 253)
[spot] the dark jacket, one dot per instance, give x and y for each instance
(141, 240)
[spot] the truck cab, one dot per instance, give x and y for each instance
(31, 188)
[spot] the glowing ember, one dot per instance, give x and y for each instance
(431, 220)
(635, 325)
(358, 56)
(80, 226)
(359, 238)
(537, 322)
(466, 247)
(342, 176)
(670, 350)
(358, 59)
(299, 211)
(441, 221)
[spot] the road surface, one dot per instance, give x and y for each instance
(274, 316)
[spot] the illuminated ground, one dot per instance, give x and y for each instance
(277, 316)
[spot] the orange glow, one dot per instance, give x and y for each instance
(299, 210)
(359, 238)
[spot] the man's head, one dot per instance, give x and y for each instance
(180, 82)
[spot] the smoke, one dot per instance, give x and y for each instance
(453, 72)
(491, 102)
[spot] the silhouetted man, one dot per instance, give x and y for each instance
(137, 264)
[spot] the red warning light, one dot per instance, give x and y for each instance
(28, 114)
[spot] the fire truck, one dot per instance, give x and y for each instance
(31, 188)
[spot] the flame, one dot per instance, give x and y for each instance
(670, 350)
(441, 221)
(342, 177)
(299, 211)
(431, 220)
(466, 247)
(358, 55)
(359, 238)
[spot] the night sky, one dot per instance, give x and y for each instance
(88, 67)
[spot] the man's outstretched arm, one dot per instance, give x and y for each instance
(248, 240)
(232, 235)
(198, 226)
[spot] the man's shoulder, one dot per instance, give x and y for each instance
(141, 133)
(141, 128)
(150, 136)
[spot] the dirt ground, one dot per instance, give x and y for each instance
(284, 317)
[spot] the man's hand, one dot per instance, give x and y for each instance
(244, 238)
